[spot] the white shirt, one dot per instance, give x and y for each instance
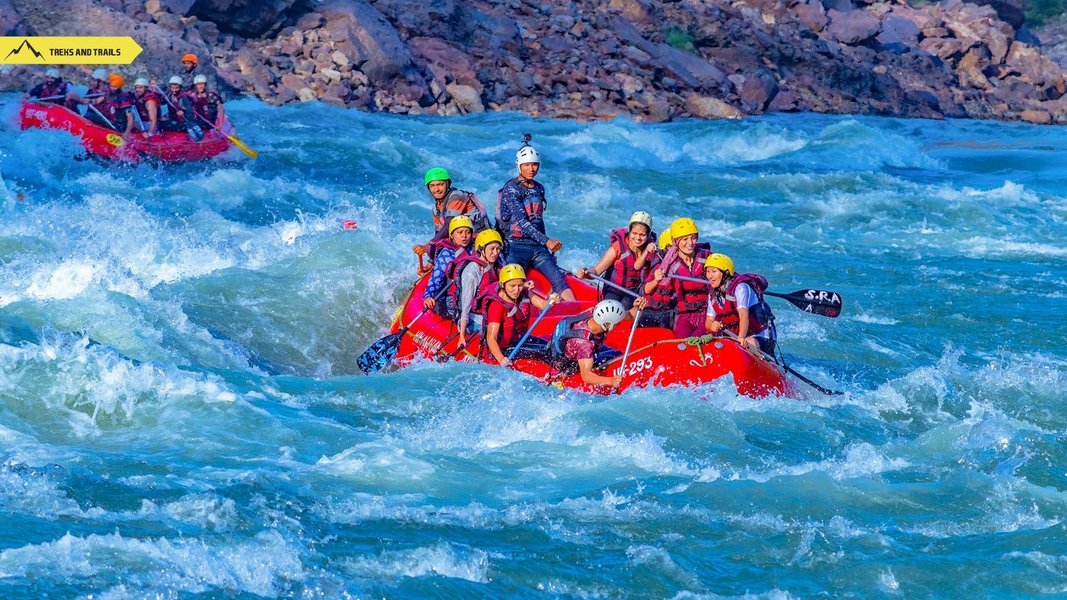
(744, 297)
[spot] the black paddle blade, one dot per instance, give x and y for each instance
(820, 302)
(380, 354)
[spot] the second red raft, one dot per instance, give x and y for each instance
(167, 146)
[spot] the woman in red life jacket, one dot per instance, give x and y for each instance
(688, 300)
(508, 311)
(146, 102)
(460, 232)
(629, 260)
(737, 304)
(472, 274)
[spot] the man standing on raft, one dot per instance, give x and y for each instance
(520, 219)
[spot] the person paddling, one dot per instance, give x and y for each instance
(474, 274)
(737, 305)
(506, 312)
(52, 88)
(690, 300)
(580, 337)
(206, 104)
(449, 202)
(628, 260)
(520, 218)
(116, 107)
(460, 233)
(146, 103)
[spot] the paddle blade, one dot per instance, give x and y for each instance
(242, 146)
(380, 354)
(820, 302)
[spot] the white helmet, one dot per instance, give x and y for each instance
(176, 79)
(641, 217)
(608, 313)
(51, 73)
(100, 74)
(200, 79)
(141, 81)
(527, 154)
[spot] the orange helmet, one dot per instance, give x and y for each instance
(116, 80)
(190, 58)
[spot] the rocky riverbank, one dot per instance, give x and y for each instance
(654, 60)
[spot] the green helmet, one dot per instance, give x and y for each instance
(437, 174)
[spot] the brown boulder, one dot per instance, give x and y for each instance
(1038, 117)
(466, 97)
(852, 27)
(445, 61)
(358, 29)
(757, 92)
(812, 15)
(898, 34)
(706, 107)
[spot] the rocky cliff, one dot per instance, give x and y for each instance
(655, 60)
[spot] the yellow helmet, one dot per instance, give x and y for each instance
(458, 222)
(683, 227)
(487, 237)
(720, 262)
(665, 239)
(509, 272)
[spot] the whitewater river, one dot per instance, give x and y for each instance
(180, 410)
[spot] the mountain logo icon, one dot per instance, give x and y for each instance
(25, 44)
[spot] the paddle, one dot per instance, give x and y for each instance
(612, 284)
(819, 302)
(629, 342)
(526, 336)
(381, 353)
(62, 96)
(106, 120)
(787, 368)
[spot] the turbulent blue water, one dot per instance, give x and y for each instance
(180, 411)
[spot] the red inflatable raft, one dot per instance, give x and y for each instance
(168, 146)
(657, 358)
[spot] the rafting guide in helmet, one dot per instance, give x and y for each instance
(737, 305)
(520, 219)
(450, 202)
(629, 259)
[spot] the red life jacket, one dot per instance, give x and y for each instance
(623, 271)
(690, 296)
(142, 105)
(207, 106)
(44, 90)
(436, 245)
(114, 105)
(516, 317)
(725, 305)
(454, 271)
(533, 203)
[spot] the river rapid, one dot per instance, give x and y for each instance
(180, 410)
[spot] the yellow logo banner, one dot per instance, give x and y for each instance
(69, 50)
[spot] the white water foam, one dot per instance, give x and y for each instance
(441, 560)
(260, 565)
